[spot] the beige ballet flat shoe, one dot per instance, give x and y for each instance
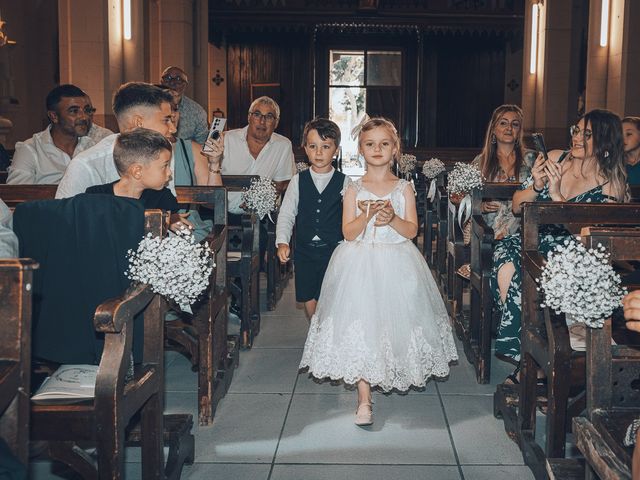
(364, 415)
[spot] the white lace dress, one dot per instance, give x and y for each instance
(380, 316)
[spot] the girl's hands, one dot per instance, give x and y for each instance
(539, 173)
(385, 215)
(371, 207)
(554, 176)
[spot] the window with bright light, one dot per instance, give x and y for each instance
(362, 81)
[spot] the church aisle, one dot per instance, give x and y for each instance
(277, 424)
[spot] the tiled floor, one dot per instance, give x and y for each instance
(278, 424)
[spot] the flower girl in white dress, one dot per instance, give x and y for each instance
(380, 319)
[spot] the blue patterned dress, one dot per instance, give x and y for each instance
(509, 249)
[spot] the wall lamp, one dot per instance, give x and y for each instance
(126, 19)
(533, 58)
(604, 23)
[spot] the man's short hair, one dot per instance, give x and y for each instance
(325, 128)
(61, 91)
(138, 94)
(266, 101)
(138, 146)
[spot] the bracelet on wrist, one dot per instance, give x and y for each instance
(536, 190)
(214, 170)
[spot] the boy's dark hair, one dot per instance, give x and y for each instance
(134, 94)
(325, 128)
(138, 146)
(61, 91)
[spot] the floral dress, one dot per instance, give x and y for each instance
(509, 249)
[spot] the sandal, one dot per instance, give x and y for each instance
(512, 378)
(364, 416)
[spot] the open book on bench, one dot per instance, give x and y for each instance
(68, 384)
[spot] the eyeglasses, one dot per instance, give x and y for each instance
(515, 124)
(175, 78)
(74, 111)
(259, 116)
(575, 130)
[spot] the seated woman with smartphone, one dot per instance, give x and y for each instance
(592, 170)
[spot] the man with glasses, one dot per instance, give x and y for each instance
(43, 158)
(193, 119)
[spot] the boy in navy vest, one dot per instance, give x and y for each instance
(313, 203)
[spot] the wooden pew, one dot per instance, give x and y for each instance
(457, 255)
(430, 222)
(244, 265)
(613, 399)
(16, 281)
(203, 335)
(103, 421)
(13, 195)
(442, 205)
(545, 338)
(477, 331)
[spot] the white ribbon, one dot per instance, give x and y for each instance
(431, 193)
(464, 211)
(355, 131)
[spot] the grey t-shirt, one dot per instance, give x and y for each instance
(8, 239)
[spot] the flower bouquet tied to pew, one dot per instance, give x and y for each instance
(431, 169)
(581, 284)
(460, 182)
(261, 197)
(177, 267)
(407, 165)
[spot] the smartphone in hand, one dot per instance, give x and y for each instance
(538, 142)
(217, 126)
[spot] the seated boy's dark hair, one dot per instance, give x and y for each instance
(325, 128)
(62, 91)
(138, 146)
(135, 94)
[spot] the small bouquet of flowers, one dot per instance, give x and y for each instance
(176, 266)
(431, 169)
(261, 197)
(406, 164)
(461, 180)
(581, 283)
(302, 166)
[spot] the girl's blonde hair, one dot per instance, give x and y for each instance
(489, 163)
(376, 122)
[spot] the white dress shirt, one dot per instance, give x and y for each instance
(275, 161)
(38, 160)
(8, 239)
(289, 208)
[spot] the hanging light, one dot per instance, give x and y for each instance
(604, 23)
(533, 59)
(126, 19)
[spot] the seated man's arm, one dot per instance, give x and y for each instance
(77, 178)
(22, 170)
(285, 170)
(8, 239)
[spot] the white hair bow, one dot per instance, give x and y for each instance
(355, 131)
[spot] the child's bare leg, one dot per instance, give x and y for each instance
(364, 392)
(310, 308)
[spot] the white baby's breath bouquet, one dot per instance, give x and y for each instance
(581, 283)
(302, 166)
(176, 266)
(260, 197)
(463, 178)
(432, 168)
(407, 164)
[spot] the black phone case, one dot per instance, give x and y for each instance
(538, 141)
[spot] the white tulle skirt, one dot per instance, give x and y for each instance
(380, 318)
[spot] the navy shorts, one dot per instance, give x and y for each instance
(311, 261)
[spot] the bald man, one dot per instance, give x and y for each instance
(193, 119)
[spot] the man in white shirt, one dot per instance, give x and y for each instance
(257, 150)
(135, 104)
(43, 158)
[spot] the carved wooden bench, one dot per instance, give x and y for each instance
(16, 282)
(545, 338)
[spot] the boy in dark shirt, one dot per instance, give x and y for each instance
(143, 160)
